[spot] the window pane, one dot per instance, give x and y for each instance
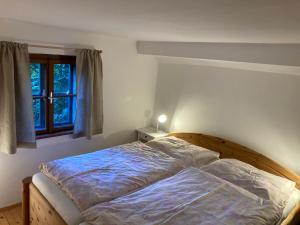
(62, 115)
(74, 81)
(62, 79)
(35, 71)
(38, 77)
(74, 109)
(39, 114)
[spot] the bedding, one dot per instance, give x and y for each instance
(63, 205)
(191, 195)
(103, 175)
(188, 154)
(292, 202)
(261, 183)
(71, 214)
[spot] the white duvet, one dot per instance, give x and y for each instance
(190, 197)
(107, 174)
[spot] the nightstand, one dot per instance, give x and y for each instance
(149, 133)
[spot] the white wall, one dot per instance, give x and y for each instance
(260, 110)
(129, 84)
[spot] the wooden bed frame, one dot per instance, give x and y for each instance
(38, 211)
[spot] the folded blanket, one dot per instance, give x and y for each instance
(190, 197)
(107, 174)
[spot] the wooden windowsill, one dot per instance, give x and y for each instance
(60, 133)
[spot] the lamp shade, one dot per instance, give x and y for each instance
(162, 118)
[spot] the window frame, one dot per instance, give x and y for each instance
(49, 61)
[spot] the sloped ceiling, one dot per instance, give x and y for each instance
(250, 21)
(257, 53)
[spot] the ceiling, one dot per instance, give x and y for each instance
(263, 21)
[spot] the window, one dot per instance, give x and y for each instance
(53, 81)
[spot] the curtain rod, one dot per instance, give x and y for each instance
(53, 47)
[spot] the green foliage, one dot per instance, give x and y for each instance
(61, 110)
(62, 78)
(35, 71)
(37, 112)
(62, 84)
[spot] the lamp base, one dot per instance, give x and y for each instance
(158, 130)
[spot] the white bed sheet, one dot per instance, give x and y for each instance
(58, 199)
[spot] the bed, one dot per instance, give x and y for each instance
(40, 207)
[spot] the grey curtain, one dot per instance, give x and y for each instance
(16, 116)
(89, 112)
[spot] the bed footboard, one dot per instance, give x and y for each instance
(36, 209)
(25, 200)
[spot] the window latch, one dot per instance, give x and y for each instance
(51, 98)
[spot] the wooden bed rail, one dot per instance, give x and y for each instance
(36, 209)
(293, 217)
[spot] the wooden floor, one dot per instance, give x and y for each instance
(11, 215)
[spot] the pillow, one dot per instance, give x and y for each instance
(259, 182)
(188, 154)
(292, 202)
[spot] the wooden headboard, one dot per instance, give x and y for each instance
(229, 149)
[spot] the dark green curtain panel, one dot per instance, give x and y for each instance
(16, 116)
(89, 113)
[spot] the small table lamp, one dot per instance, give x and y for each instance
(161, 119)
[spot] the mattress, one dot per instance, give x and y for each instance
(58, 199)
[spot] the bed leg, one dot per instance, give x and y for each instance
(25, 201)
